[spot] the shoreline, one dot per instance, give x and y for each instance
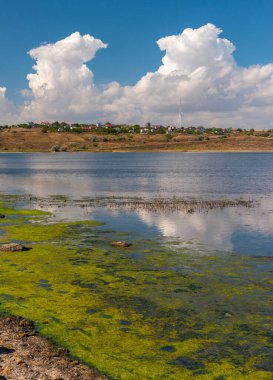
(114, 327)
(139, 151)
(27, 355)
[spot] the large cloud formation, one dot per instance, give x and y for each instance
(198, 70)
(63, 85)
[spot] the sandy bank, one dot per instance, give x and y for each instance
(24, 355)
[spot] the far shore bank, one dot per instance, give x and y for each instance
(21, 140)
(137, 151)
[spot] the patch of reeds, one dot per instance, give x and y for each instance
(157, 204)
(175, 204)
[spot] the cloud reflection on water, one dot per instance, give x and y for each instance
(230, 230)
(217, 228)
(203, 175)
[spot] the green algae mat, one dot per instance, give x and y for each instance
(149, 311)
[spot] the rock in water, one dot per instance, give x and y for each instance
(121, 244)
(13, 247)
(2, 216)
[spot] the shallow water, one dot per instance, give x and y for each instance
(184, 175)
(190, 299)
(150, 311)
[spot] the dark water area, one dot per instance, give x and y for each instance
(182, 175)
(142, 174)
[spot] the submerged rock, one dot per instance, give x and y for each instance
(14, 247)
(121, 244)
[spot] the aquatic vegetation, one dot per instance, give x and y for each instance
(155, 204)
(179, 204)
(36, 232)
(139, 313)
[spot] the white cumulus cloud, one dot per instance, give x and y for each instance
(195, 49)
(62, 86)
(198, 68)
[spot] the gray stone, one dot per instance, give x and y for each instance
(121, 244)
(13, 247)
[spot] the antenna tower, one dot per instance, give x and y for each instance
(180, 115)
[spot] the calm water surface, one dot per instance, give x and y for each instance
(155, 310)
(195, 175)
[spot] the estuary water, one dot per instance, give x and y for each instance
(247, 231)
(191, 298)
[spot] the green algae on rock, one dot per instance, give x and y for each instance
(139, 313)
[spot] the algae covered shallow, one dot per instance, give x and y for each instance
(149, 311)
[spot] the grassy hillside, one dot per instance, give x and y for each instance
(31, 140)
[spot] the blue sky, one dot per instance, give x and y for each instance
(130, 28)
(217, 85)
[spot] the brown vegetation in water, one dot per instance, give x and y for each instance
(176, 204)
(188, 205)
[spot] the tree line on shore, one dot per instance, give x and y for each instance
(110, 128)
